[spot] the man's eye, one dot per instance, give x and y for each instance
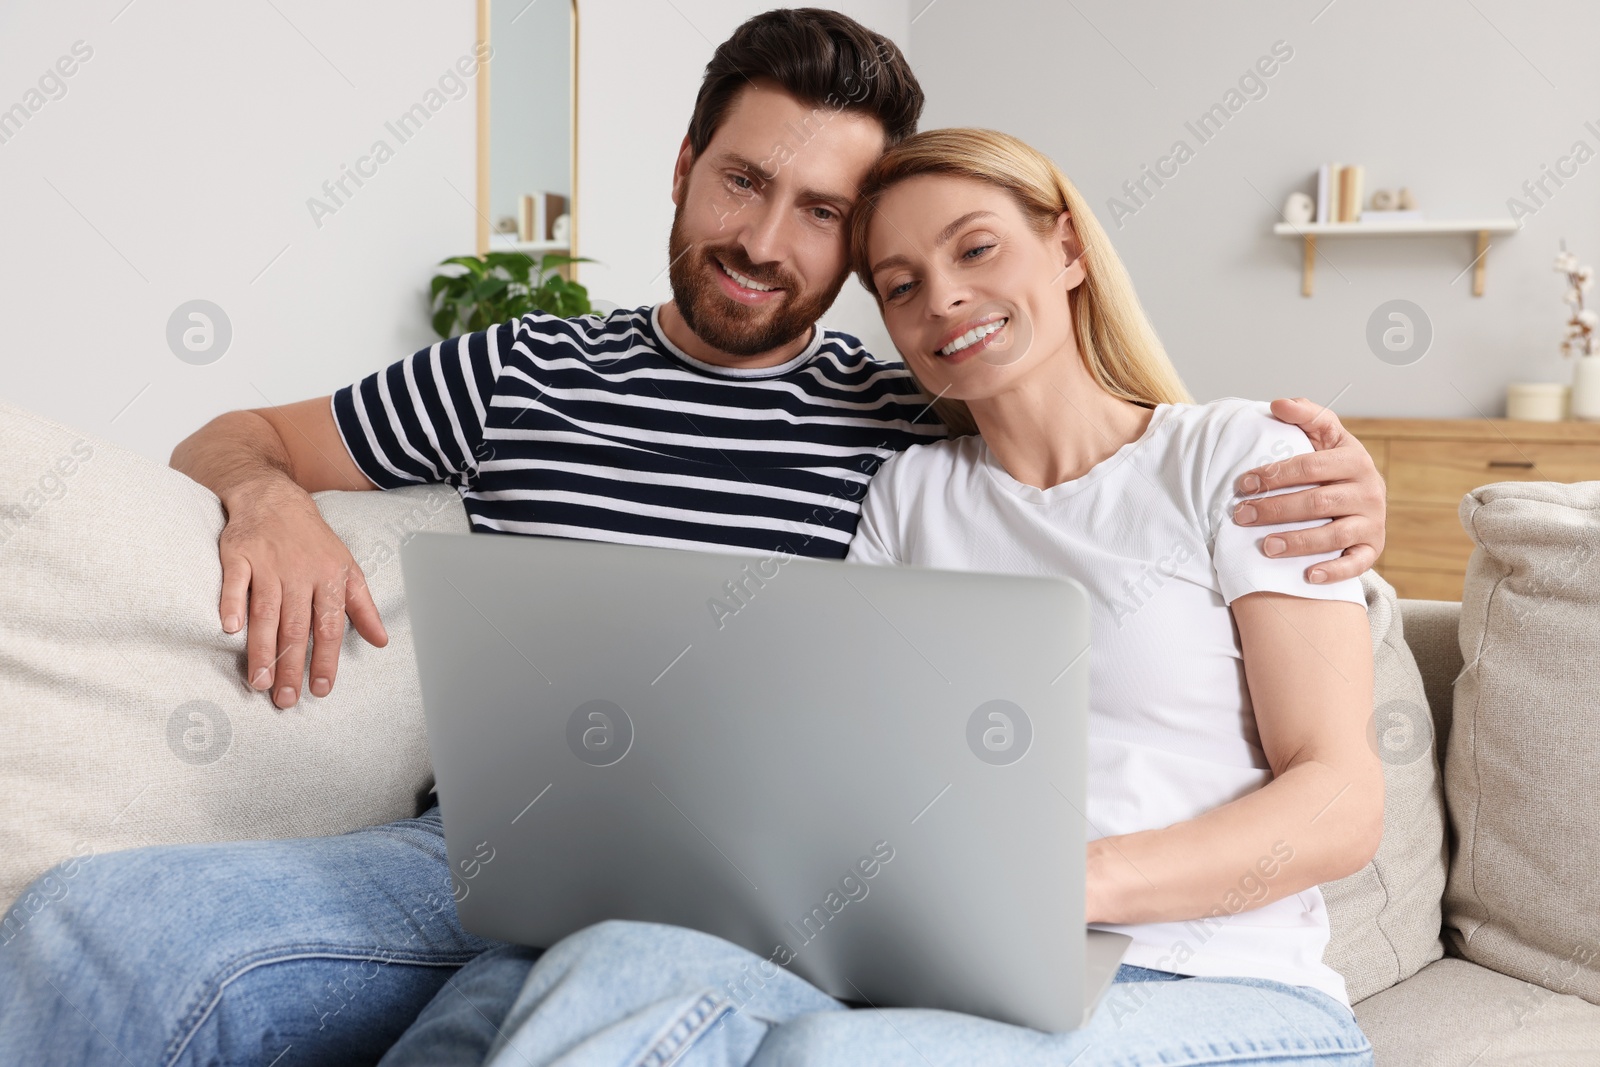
(741, 182)
(823, 214)
(898, 290)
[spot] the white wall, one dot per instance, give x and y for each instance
(178, 166)
(1460, 102)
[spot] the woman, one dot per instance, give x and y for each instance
(1229, 770)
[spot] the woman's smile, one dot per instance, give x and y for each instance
(967, 341)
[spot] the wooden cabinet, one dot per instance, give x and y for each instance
(1430, 464)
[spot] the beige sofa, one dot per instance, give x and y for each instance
(1512, 680)
(1471, 939)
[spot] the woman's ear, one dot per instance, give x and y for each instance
(1073, 270)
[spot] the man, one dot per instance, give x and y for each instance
(724, 419)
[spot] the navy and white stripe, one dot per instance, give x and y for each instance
(602, 429)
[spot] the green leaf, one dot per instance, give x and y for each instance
(501, 287)
(490, 288)
(472, 263)
(516, 264)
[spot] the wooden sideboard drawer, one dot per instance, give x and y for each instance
(1442, 472)
(1426, 536)
(1430, 464)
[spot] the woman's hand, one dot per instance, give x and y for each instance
(1345, 486)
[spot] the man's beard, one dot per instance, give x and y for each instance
(722, 322)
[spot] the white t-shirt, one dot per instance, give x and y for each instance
(1172, 732)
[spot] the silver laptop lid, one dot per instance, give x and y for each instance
(873, 776)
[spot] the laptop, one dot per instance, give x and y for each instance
(873, 776)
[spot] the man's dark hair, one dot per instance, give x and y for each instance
(821, 57)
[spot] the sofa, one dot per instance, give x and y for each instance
(1471, 938)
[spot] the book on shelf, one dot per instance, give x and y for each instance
(1327, 197)
(530, 218)
(555, 205)
(538, 214)
(1350, 181)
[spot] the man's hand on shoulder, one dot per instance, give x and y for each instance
(1344, 486)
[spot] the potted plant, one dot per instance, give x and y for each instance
(502, 286)
(1582, 339)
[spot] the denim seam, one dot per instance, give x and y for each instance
(1305, 1048)
(205, 1004)
(1274, 1055)
(681, 1034)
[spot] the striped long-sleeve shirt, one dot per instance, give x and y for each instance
(602, 429)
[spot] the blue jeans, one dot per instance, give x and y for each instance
(292, 952)
(625, 994)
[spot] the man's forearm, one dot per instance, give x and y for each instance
(235, 454)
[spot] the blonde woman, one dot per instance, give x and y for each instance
(1229, 773)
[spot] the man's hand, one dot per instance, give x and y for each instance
(1345, 487)
(285, 570)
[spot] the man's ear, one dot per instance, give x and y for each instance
(1073, 270)
(680, 171)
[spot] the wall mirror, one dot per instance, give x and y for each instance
(527, 127)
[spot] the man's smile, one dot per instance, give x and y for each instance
(744, 289)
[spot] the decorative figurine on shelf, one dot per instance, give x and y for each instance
(506, 224)
(1583, 336)
(1391, 205)
(1299, 209)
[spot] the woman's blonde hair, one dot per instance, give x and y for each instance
(1119, 346)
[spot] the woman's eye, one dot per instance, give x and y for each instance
(974, 253)
(898, 290)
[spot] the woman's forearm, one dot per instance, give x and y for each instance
(1312, 824)
(1308, 664)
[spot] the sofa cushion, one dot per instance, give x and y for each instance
(1522, 765)
(126, 715)
(1453, 1013)
(1384, 919)
(1433, 633)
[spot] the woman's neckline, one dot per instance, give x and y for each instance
(1061, 490)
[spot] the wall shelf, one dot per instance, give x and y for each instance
(1312, 230)
(505, 242)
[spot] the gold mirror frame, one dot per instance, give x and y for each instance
(483, 134)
